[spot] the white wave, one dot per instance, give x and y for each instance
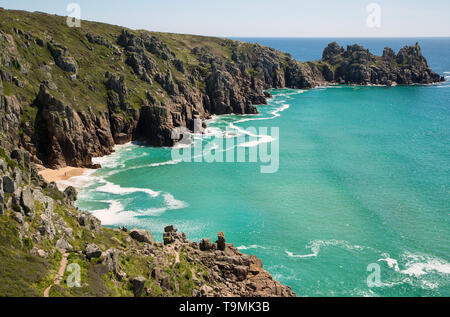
(417, 264)
(421, 264)
(118, 190)
(446, 72)
(275, 114)
(253, 246)
(316, 245)
(172, 203)
(114, 214)
(77, 182)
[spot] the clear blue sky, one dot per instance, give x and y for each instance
(274, 18)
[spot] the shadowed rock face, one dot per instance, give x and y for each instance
(153, 85)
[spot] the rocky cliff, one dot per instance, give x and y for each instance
(41, 231)
(70, 94)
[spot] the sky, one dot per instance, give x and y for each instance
(262, 18)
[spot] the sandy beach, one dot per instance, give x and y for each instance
(61, 174)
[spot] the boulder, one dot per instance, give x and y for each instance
(171, 235)
(156, 274)
(70, 193)
(8, 185)
(165, 282)
(2, 194)
(240, 272)
(46, 228)
(111, 260)
(138, 284)
(205, 290)
(93, 251)
(18, 156)
(3, 166)
(27, 201)
(206, 245)
(63, 245)
(141, 235)
(38, 252)
(17, 216)
(90, 222)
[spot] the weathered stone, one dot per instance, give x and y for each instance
(171, 235)
(70, 193)
(27, 202)
(89, 221)
(165, 282)
(46, 228)
(92, 251)
(221, 241)
(63, 245)
(138, 284)
(205, 290)
(156, 274)
(8, 185)
(141, 235)
(206, 245)
(3, 166)
(111, 260)
(18, 217)
(38, 252)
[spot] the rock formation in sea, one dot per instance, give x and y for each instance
(70, 94)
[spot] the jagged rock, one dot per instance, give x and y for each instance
(89, 221)
(17, 155)
(141, 236)
(38, 252)
(46, 228)
(156, 274)
(206, 245)
(63, 245)
(111, 260)
(221, 245)
(61, 225)
(61, 56)
(3, 166)
(27, 202)
(18, 217)
(138, 284)
(165, 282)
(70, 193)
(92, 251)
(205, 290)
(171, 235)
(9, 185)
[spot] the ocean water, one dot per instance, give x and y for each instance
(363, 184)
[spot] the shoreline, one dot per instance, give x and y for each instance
(61, 174)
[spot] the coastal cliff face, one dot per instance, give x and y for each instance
(70, 94)
(356, 65)
(40, 229)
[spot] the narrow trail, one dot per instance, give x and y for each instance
(60, 275)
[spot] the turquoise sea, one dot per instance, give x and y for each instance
(363, 179)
